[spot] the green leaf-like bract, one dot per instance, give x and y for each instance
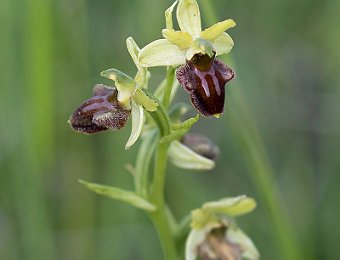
(128, 197)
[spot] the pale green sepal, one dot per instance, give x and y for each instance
(137, 114)
(125, 85)
(183, 157)
(211, 33)
(141, 77)
(200, 46)
(231, 206)
(142, 99)
(223, 44)
(168, 16)
(236, 236)
(161, 53)
(120, 194)
(189, 18)
(133, 49)
(182, 39)
(196, 237)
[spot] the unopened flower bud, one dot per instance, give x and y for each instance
(100, 112)
(201, 145)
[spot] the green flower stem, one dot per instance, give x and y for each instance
(170, 77)
(160, 220)
(144, 157)
(247, 134)
(160, 217)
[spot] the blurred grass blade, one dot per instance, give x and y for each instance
(247, 136)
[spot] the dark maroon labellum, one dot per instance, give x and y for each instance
(100, 112)
(204, 78)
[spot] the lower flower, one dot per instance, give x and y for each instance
(204, 78)
(222, 240)
(215, 235)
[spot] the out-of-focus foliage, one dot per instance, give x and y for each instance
(51, 53)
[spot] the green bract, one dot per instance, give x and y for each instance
(182, 45)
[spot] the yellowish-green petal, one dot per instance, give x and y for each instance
(168, 16)
(200, 46)
(231, 206)
(211, 33)
(142, 99)
(133, 49)
(161, 53)
(124, 83)
(223, 44)
(189, 18)
(182, 39)
(137, 114)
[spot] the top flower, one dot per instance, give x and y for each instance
(179, 46)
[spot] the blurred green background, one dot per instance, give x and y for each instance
(51, 53)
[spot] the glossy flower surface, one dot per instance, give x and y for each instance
(204, 78)
(100, 112)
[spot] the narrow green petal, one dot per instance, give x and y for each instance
(133, 49)
(137, 114)
(141, 76)
(189, 18)
(161, 53)
(216, 30)
(168, 16)
(200, 46)
(120, 194)
(182, 39)
(183, 157)
(231, 206)
(223, 44)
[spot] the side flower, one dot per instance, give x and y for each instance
(215, 235)
(202, 75)
(110, 107)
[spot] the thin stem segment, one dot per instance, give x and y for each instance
(160, 217)
(170, 77)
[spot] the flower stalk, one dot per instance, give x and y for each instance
(189, 55)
